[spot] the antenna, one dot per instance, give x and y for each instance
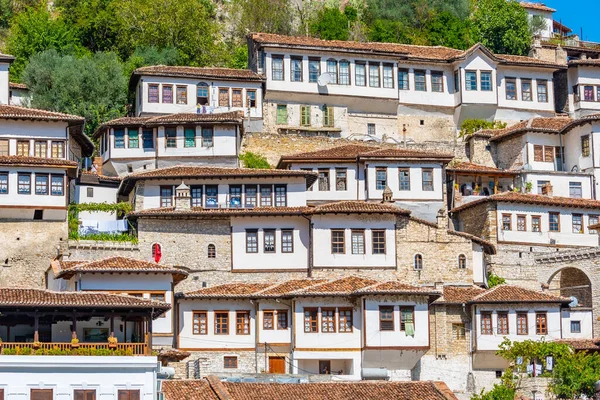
(324, 79)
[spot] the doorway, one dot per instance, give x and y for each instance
(277, 365)
(324, 367)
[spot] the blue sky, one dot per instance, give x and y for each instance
(577, 14)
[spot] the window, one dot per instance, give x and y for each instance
(404, 176)
(548, 153)
(181, 95)
(296, 69)
(221, 322)
(575, 326)
(588, 93)
(407, 319)
(3, 182)
(82, 394)
(360, 78)
(486, 81)
(269, 240)
(340, 179)
(380, 178)
(23, 148)
(251, 98)
(420, 84)
(287, 241)
(282, 320)
(199, 323)
(282, 114)
(328, 320)
(166, 196)
(378, 238)
(277, 68)
(538, 153)
(577, 223)
(593, 219)
(134, 138)
(152, 93)
(38, 214)
(242, 323)
(456, 81)
(40, 148)
(251, 195)
(502, 328)
(230, 362)
(521, 223)
(311, 320)
(522, 328)
(511, 89)
(211, 196)
(266, 193)
(371, 129)
(554, 221)
(541, 323)
(189, 135)
(486, 323)
(223, 97)
(212, 251)
(3, 147)
(171, 135)
(208, 136)
(47, 394)
(202, 94)
(542, 91)
(576, 93)
(585, 145)
(526, 90)
(332, 70)
(251, 241)
(540, 186)
(23, 183)
(345, 320)
(374, 75)
(328, 119)
(90, 192)
(506, 222)
(418, 262)
(437, 81)
(57, 185)
(196, 194)
(305, 115)
(575, 190)
(323, 180)
(403, 79)
(462, 261)
(41, 184)
(268, 320)
(470, 80)
(358, 241)
(314, 69)
(386, 318)
(427, 179)
(167, 94)
(58, 149)
(148, 139)
(235, 196)
(280, 195)
(458, 332)
(388, 76)
(237, 98)
(344, 72)
(338, 245)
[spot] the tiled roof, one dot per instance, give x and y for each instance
(537, 6)
(21, 161)
(591, 62)
(581, 121)
(199, 72)
(291, 286)
(516, 294)
(15, 85)
(228, 290)
(357, 207)
(92, 178)
(540, 124)
(218, 212)
(582, 344)
(194, 172)
(459, 294)
(471, 167)
(343, 286)
(212, 389)
(16, 112)
(488, 246)
(119, 264)
(46, 298)
(535, 199)
(396, 287)
(6, 57)
(172, 355)
(405, 154)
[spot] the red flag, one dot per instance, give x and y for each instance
(157, 253)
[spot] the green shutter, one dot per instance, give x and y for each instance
(190, 137)
(328, 119)
(305, 115)
(282, 115)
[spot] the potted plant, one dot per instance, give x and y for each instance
(36, 344)
(112, 342)
(74, 342)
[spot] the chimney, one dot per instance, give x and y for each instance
(97, 165)
(547, 190)
(387, 195)
(442, 225)
(182, 197)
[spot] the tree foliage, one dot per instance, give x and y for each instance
(270, 16)
(575, 374)
(332, 24)
(498, 392)
(253, 160)
(470, 126)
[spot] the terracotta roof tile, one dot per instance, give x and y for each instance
(357, 207)
(17, 112)
(228, 290)
(516, 294)
(172, 355)
(459, 294)
(582, 344)
(471, 167)
(15, 85)
(218, 212)
(396, 287)
(405, 153)
(535, 199)
(288, 287)
(199, 72)
(6, 57)
(590, 62)
(343, 286)
(188, 390)
(93, 178)
(537, 6)
(21, 161)
(118, 264)
(547, 125)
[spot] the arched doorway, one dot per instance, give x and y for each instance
(572, 282)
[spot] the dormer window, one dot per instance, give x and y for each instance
(202, 98)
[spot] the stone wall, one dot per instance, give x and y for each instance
(27, 249)
(478, 220)
(429, 126)
(510, 153)
(480, 152)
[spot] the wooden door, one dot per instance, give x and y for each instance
(324, 367)
(41, 394)
(277, 365)
(84, 395)
(129, 395)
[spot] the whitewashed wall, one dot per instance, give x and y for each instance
(416, 191)
(586, 319)
(526, 73)
(13, 198)
(355, 182)
(478, 62)
(4, 90)
(560, 183)
(274, 335)
(428, 97)
(583, 75)
(101, 194)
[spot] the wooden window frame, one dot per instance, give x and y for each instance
(57, 149)
(341, 177)
(459, 331)
(330, 62)
(311, 320)
(83, 394)
(305, 115)
(291, 235)
(520, 330)
(164, 200)
(387, 320)
(582, 230)
(337, 243)
(349, 74)
(379, 170)
(541, 83)
(467, 81)
(238, 324)
(462, 261)
(255, 233)
(360, 233)
(418, 258)
(481, 74)
(200, 312)
(282, 58)
(363, 66)
(207, 97)
(328, 116)
(541, 329)
(509, 216)
(280, 196)
(220, 98)
(486, 317)
(264, 320)
(508, 80)
(420, 72)
(585, 146)
(537, 218)
(54, 186)
(345, 320)
(504, 315)
(4, 147)
(439, 74)
(177, 89)
(130, 394)
(250, 101)
(274, 233)
(230, 362)
(523, 91)
(311, 61)
(162, 90)
(281, 107)
(538, 153)
(388, 67)
(400, 181)
(596, 218)
(19, 174)
(405, 82)
(43, 392)
(266, 201)
(241, 98)
(4, 179)
(276, 320)
(333, 319)
(375, 243)
(522, 217)
(403, 323)
(586, 91)
(38, 144)
(218, 321)
(46, 186)
(550, 222)
(423, 171)
(157, 87)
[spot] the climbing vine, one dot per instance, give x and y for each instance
(121, 209)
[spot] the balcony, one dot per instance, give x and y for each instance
(80, 349)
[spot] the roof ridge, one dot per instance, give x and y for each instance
(218, 388)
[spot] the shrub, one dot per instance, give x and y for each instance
(253, 160)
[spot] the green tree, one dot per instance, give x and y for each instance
(143, 56)
(498, 392)
(331, 24)
(270, 16)
(93, 87)
(574, 375)
(385, 30)
(34, 30)
(502, 26)
(254, 160)
(447, 29)
(470, 126)
(495, 280)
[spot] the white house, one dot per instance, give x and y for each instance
(543, 12)
(162, 89)
(18, 93)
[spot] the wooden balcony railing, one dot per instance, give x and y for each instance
(51, 348)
